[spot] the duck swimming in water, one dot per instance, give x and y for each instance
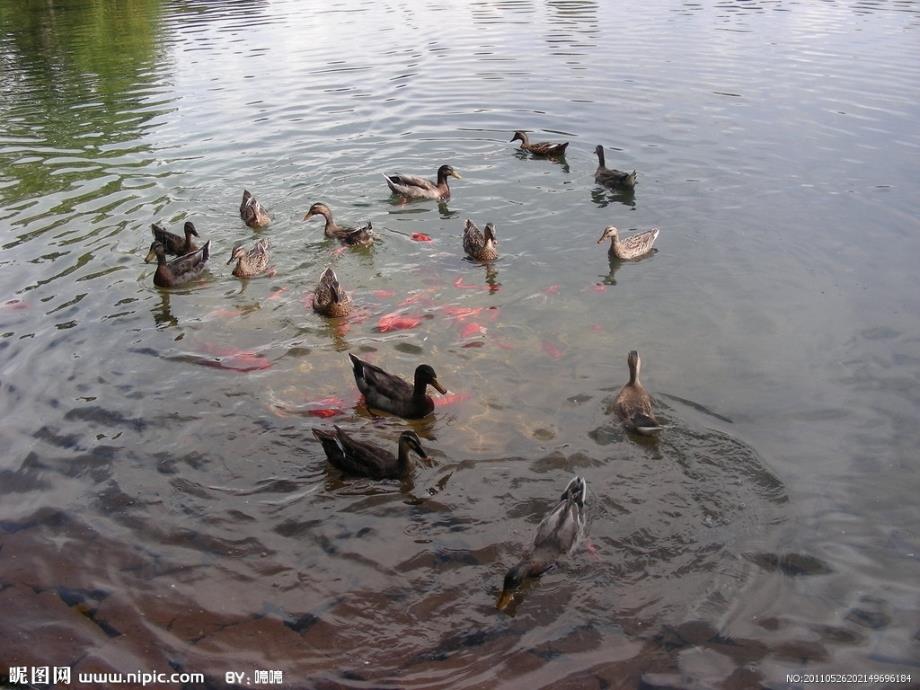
(178, 271)
(633, 404)
(383, 391)
(367, 460)
(542, 148)
(415, 187)
(632, 247)
(353, 237)
(557, 535)
(610, 177)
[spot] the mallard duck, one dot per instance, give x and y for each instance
(632, 247)
(558, 535)
(252, 213)
(478, 245)
(633, 404)
(362, 236)
(366, 459)
(542, 148)
(610, 177)
(253, 262)
(172, 243)
(383, 391)
(414, 187)
(181, 270)
(329, 298)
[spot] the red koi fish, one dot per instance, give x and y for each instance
(551, 350)
(420, 237)
(397, 322)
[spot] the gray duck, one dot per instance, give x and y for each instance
(610, 177)
(415, 187)
(383, 391)
(178, 271)
(557, 535)
(172, 243)
(367, 460)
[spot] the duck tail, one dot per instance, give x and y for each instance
(645, 425)
(577, 491)
(357, 365)
(206, 251)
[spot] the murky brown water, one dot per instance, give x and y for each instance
(164, 503)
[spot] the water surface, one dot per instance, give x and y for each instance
(164, 502)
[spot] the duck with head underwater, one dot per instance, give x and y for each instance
(557, 535)
(252, 212)
(383, 391)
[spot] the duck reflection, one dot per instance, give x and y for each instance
(604, 197)
(162, 313)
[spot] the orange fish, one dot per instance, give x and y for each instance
(421, 237)
(472, 329)
(397, 322)
(551, 350)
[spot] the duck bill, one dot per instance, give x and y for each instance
(308, 216)
(504, 600)
(151, 257)
(441, 389)
(603, 237)
(454, 173)
(232, 259)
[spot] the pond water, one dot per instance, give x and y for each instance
(164, 503)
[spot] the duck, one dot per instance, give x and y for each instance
(632, 247)
(383, 391)
(633, 404)
(367, 460)
(415, 187)
(353, 237)
(252, 213)
(542, 148)
(479, 245)
(253, 262)
(610, 177)
(557, 535)
(329, 299)
(172, 243)
(181, 270)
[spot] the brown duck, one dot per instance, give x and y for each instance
(632, 247)
(329, 299)
(252, 213)
(353, 237)
(251, 262)
(480, 245)
(542, 148)
(633, 404)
